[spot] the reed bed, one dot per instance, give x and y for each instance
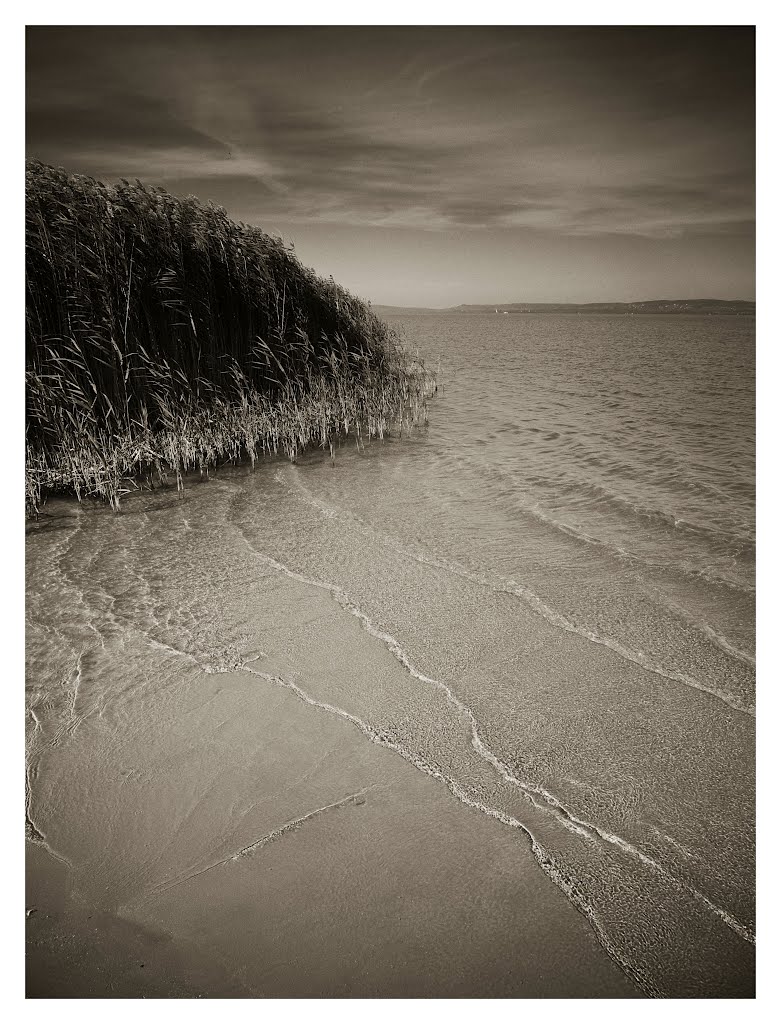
(162, 338)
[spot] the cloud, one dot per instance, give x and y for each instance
(463, 60)
(572, 132)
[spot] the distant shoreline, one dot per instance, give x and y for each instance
(701, 307)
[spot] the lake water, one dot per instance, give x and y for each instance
(560, 568)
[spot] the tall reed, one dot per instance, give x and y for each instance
(163, 337)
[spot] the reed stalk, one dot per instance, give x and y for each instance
(163, 337)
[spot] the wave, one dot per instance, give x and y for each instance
(545, 860)
(677, 521)
(719, 540)
(533, 601)
(541, 798)
(713, 634)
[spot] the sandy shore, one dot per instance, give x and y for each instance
(212, 834)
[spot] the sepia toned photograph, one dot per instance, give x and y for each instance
(389, 612)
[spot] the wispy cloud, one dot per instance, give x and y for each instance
(569, 132)
(465, 60)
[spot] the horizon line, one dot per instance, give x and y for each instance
(562, 302)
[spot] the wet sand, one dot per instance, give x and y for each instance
(213, 834)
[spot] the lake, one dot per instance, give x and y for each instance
(481, 695)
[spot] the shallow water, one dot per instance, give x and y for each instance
(559, 573)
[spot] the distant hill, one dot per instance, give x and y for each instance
(702, 306)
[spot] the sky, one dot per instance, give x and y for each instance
(432, 166)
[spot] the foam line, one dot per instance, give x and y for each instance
(544, 859)
(553, 617)
(296, 823)
(31, 831)
(539, 797)
(268, 837)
